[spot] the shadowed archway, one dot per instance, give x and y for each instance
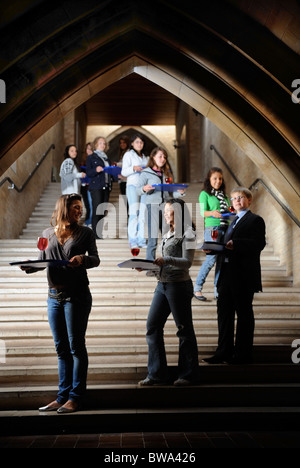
(67, 53)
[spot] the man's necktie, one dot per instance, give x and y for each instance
(230, 229)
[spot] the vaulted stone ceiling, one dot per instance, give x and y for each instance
(234, 66)
(130, 101)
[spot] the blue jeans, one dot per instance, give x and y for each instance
(89, 220)
(209, 261)
(68, 322)
(155, 223)
(175, 298)
(136, 221)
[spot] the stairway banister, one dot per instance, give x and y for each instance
(254, 183)
(13, 185)
(212, 147)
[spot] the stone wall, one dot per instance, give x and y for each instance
(19, 206)
(282, 232)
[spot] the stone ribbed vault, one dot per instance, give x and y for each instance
(221, 61)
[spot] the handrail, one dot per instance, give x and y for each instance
(13, 186)
(225, 164)
(284, 207)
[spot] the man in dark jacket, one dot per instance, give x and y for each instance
(239, 279)
(100, 184)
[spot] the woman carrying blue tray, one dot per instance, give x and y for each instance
(213, 204)
(157, 172)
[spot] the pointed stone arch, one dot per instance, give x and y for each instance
(229, 119)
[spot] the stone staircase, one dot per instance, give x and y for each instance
(116, 332)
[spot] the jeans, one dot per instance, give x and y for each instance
(100, 199)
(88, 219)
(136, 221)
(68, 322)
(155, 223)
(87, 199)
(175, 298)
(209, 261)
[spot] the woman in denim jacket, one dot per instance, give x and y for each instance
(133, 162)
(174, 294)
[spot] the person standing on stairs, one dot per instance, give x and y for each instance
(70, 172)
(173, 294)
(134, 161)
(85, 193)
(213, 203)
(156, 172)
(239, 279)
(100, 184)
(124, 145)
(69, 298)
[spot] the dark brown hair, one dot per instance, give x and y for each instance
(151, 163)
(60, 214)
(206, 184)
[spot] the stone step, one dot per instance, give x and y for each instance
(13, 281)
(112, 274)
(209, 406)
(280, 332)
(13, 377)
(200, 312)
(121, 298)
(176, 419)
(128, 288)
(99, 350)
(135, 298)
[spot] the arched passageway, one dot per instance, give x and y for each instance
(66, 53)
(231, 62)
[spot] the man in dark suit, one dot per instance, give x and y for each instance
(239, 279)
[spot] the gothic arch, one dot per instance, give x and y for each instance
(235, 83)
(122, 130)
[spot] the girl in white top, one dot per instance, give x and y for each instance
(69, 172)
(133, 162)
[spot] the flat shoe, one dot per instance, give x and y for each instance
(53, 406)
(149, 382)
(182, 382)
(69, 407)
(200, 298)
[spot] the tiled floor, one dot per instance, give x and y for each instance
(158, 440)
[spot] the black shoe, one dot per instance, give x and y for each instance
(215, 359)
(200, 298)
(182, 382)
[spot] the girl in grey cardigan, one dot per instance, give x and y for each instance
(69, 172)
(157, 172)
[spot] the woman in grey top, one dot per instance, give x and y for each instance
(157, 172)
(69, 298)
(70, 173)
(174, 294)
